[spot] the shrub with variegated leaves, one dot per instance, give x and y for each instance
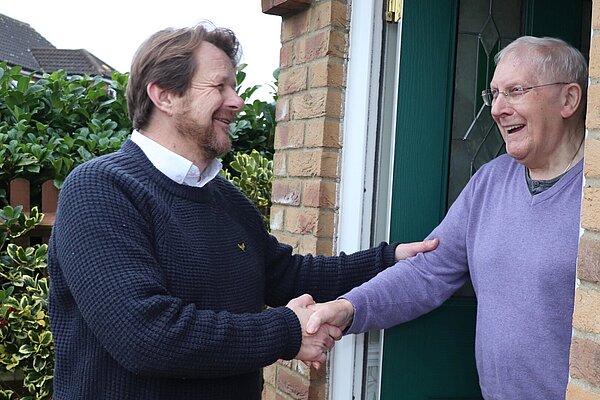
(26, 346)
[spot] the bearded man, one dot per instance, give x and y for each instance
(160, 268)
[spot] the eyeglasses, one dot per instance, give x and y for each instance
(513, 95)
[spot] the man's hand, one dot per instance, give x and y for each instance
(338, 313)
(406, 250)
(315, 345)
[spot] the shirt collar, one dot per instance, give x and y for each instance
(174, 166)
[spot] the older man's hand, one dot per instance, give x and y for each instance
(316, 344)
(338, 313)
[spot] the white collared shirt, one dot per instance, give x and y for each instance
(174, 166)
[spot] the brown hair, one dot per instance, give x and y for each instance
(166, 58)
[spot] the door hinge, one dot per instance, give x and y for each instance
(393, 11)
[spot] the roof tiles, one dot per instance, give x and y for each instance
(22, 45)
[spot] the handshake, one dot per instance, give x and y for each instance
(322, 325)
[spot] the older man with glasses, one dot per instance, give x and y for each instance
(514, 229)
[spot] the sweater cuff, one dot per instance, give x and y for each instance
(389, 254)
(357, 316)
(295, 333)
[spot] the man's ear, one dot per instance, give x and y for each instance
(571, 99)
(161, 98)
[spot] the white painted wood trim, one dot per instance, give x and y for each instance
(357, 165)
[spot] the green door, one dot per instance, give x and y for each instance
(443, 135)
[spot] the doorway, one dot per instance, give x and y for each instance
(442, 135)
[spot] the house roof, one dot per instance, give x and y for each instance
(22, 45)
(16, 40)
(75, 62)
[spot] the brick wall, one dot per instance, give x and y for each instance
(584, 381)
(306, 163)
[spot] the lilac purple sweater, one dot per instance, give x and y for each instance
(520, 251)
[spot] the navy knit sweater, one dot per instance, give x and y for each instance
(158, 289)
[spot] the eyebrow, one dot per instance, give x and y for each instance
(510, 86)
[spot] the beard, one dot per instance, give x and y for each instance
(210, 141)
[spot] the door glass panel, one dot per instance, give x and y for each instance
(484, 27)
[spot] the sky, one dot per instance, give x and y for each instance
(112, 30)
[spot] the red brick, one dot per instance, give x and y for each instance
(301, 221)
(279, 164)
(575, 392)
(312, 163)
(309, 221)
(284, 7)
(593, 106)
(270, 374)
(594, 67)
(587, 309)
(314, 245)
(286, 55)
(282, 109)
(293, 80)
(303, 369)
(592, 158)
(288, 238)
(268, 393)
(326, 43)
(585, 360)
(319, 193)
(327, 73)
(588, 263)
(293, 384)
(317, 103)
(277, 217)
(294, 26)
(595, 15)
(289, 135)
(309, 105)
(590, 209)
(300, 51)
(308, 245)
(323, 132)
(286, 192)
(330, 13)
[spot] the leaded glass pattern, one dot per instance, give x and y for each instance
(484, 27)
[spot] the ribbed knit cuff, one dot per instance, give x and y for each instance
(295, 333)
(389, 254)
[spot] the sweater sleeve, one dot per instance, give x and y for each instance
(109, 292)
(290, 275)
(417, 285)
(324, 278)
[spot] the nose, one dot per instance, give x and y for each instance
(233, 101)
(500, 106)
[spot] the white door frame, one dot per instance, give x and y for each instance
(357, 172)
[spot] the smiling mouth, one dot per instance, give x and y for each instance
(513, 128)
(224, 120)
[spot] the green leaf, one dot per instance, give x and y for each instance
(38, 365)
(45, 338)
(27, 349)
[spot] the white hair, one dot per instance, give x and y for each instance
(553, 58)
